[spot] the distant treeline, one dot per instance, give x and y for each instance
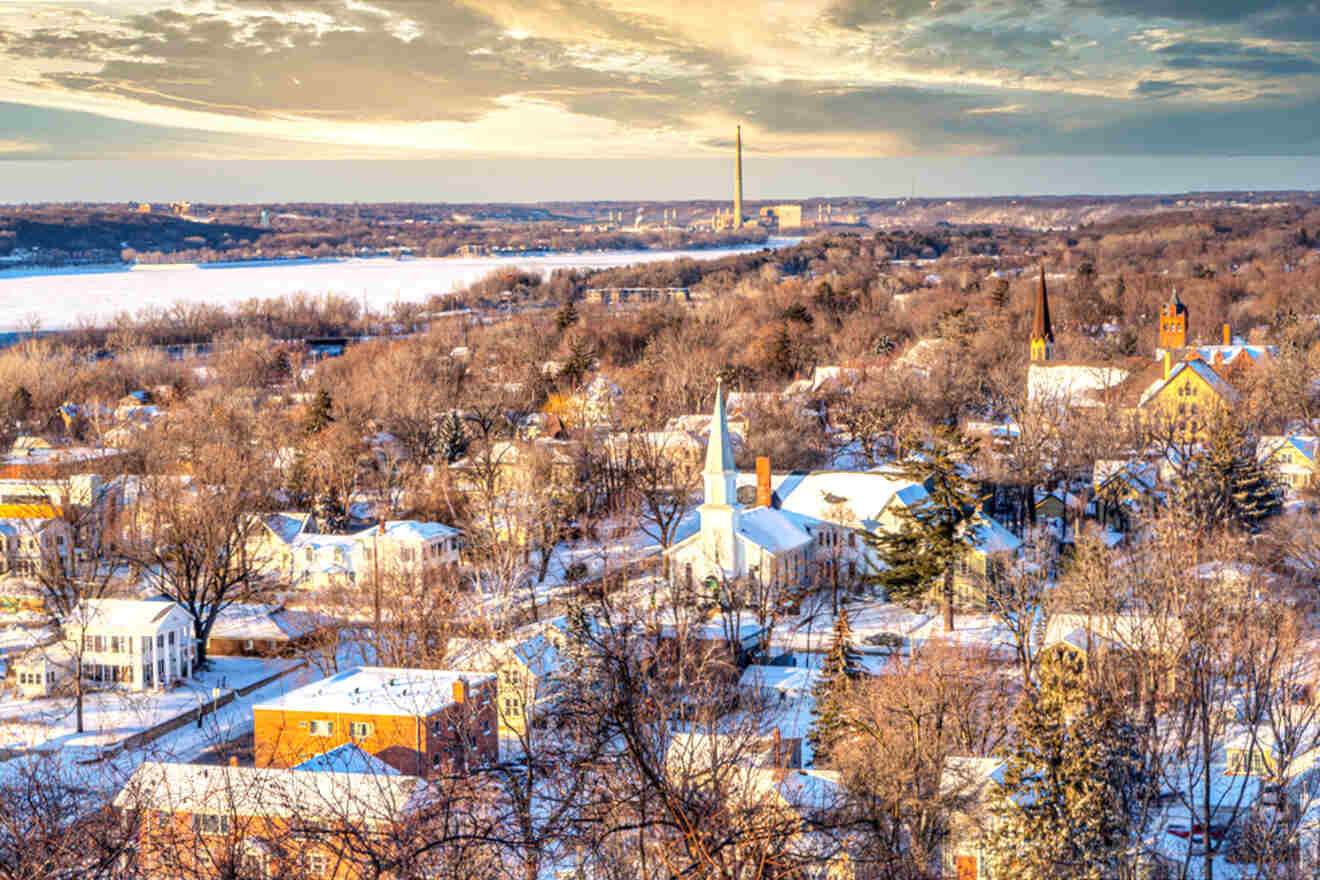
(56, 235)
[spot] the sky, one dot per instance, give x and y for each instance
(589, 80)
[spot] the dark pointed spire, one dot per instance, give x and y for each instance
(1041, 329)
(1176, 303)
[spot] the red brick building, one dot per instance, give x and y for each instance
(419, 721)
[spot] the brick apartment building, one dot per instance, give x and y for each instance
(207, 822)
(418, 721)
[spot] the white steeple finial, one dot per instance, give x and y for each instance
(719, 475)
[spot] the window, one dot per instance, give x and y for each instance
(316, 863)
(360, 729)
(171, 637)
(1238, 764)
(321, 728)
(249, 645)
(210, 823)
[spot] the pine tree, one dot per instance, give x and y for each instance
(320, 414)
(840, 668)
(935, 532)
(1225, 483)
(581, 360)
(332, 514)
(566, 317)
(20, 404)
(1067, 794)
(453, 439)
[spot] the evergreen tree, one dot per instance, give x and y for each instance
(840, 668)
(938, 530)
(566, 317)
(320, 414)
(581, 360)
(1069, 790)
(332, 514)
(20, 404)
(1225, 483)
(453, 439)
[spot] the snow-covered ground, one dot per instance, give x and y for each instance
(875, 622)
(110, 716)
(60, 298)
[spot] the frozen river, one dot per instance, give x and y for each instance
(64, 298)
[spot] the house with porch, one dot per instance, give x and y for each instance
(132, 644)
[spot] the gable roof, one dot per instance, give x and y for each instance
(268, 791)
(125, 614)
(771, 530)
(859, 496)
(347, 758)
(286, 526)
(1201, 369)
(253, 620)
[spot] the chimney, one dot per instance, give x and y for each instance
(1228, 336)
(763, 496)
(737, 183)
(1167, 366)
(460, 690)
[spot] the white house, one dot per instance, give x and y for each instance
(410, 546)
(135, 644)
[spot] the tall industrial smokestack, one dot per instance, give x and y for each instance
(737, 184)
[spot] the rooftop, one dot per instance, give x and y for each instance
(377, 690)
(410, 530)
(268, 791)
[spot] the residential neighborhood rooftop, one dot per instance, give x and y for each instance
(375, 690)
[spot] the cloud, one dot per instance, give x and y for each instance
(1235, 57)
(573, 77)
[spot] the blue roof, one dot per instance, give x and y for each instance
(348, 758)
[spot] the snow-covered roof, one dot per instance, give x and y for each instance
(1072, 384)
(1201, 369)
(411, 530)
(1231, 353)
(856, 497)
(539, 655)
(772, 530)
(286, 526)
(126, 615)
(991, 537)
(347, 758)
(375, 690)
(269, 791)
(1133, 631)
(789, 680)
(251, 620)
(969, 776)
(1305, 445)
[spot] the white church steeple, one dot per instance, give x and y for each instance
(719, 477)
(719, 511)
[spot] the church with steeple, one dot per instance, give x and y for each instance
(1057, 381)
(737, 540)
